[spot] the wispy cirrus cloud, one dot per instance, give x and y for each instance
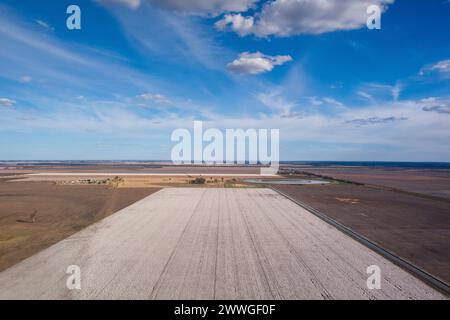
(333, 102)
(175, 39)
(27, 50)
(405, 127)
(325, 101)
(379, 91)
(279, 105)
(365, 95)
(155, 97)
(441, 67)
(5, 102)
(45, 25)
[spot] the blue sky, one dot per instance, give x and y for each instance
(138, 69)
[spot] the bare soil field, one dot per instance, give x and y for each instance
(431, 182)
(35, 215)
(415, 228)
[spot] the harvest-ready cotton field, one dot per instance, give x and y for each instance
(208, 243)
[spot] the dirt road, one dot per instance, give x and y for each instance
(210, 244)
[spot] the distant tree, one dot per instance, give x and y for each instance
(199, 181)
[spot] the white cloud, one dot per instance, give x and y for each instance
(315, 101)
(281, 107)
(422, 137)
(402, 128)
(132, 4)
(325, 101)
(45, 25)
(374, 91)
(25, 79)
(333, 102)
(337, 85)
(158, 98)
(256, 63)
(202, 7)
(5, 102)
(436, 105)
(428, 100)
(442, 67)
(193, 7)
(396, 91)
(294, 17)
(365, 95)
(238, 23)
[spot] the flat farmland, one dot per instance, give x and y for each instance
(432, 182)
(413, 227)
(35, 215)
(122, 169)
(205, 243)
